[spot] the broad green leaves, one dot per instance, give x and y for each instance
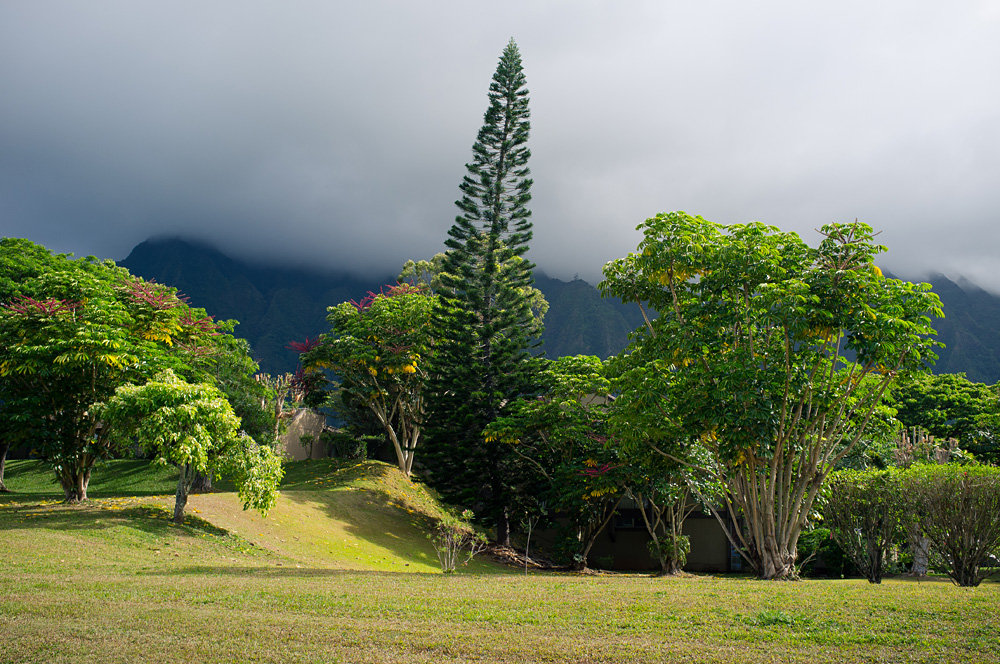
(380, 349)
(71, 331)
(768, 352)
(193, 426)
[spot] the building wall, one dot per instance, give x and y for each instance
(303, 422)
(626, 543)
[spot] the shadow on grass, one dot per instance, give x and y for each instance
(376, 505)
(93, 517)
(279, 572)
(34, 480)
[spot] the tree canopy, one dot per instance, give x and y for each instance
(560, 438)
(72, 331)
(68, 338)
(379, 349)
(192, 426)
(951, 406)
(770, 353)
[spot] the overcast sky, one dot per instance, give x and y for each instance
(335, 134)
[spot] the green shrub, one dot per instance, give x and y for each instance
(343, 445)
(454, 538)
(671, 551)
(865, 512)
(604, 562)
(958, 509)
(820, 555)
(565, 548)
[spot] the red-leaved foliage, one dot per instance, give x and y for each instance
(49, 307)
(303, 346)
(389, 290)
(155, 295)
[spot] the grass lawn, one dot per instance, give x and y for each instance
(341, 571)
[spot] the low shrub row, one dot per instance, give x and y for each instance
(947, 515)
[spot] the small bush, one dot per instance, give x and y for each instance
(866, 513)
(604, 562)
(566, 546)
(342, 445)
(307, 441)
(454, 538)
(670, 551)
(958, 509)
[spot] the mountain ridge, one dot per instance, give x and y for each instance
(277, 305)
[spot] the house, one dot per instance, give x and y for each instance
(295, 444)
(624, 544)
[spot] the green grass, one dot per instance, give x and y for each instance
(340, 572)
(109, 478)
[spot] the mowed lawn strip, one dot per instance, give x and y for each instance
(115, 581)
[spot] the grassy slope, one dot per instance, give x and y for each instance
(320, 581)
(365, 516)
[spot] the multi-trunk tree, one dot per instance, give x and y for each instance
(483, 321)
(866, 513)
(958, 509)
(771, 354)
(379, 349)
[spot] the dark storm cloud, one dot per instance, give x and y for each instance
(337, 136)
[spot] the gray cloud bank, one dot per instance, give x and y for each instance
(335, 134)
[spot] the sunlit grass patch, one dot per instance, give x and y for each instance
(342, 571)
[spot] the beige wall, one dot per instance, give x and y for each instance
(301, 423)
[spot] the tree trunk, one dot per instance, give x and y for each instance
(183, 488)
(586, 540)
(74, 482)
(4, 447)
(776, 563)
(201, 483)
(503, 528)
(589, 534)
(82, 483)
(920, 548)
(669, 565)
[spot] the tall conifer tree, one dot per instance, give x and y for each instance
(484, 323)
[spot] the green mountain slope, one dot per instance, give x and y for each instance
(970, 330)
(273, 305)
(278, 305)
(581, 322)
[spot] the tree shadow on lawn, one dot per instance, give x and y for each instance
(34, 480)
(101, 515)
(277, 572)
(377, 505)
